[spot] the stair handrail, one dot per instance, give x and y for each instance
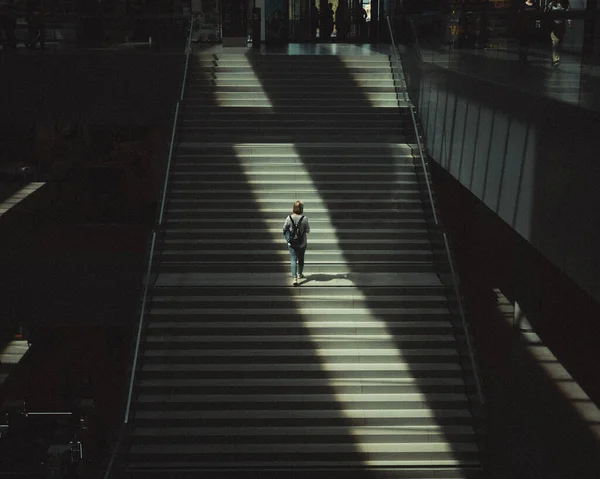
(155, 230)
(188, 49)
(396, 55)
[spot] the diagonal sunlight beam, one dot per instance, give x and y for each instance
(19, 196)
(394, 359)
(234, 93)
(547, 362)
(245, 153)
(366, 84)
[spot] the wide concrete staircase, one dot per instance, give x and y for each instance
(359, 371)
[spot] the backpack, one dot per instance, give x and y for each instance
(294, 236)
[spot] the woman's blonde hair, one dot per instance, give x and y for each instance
(298, 207)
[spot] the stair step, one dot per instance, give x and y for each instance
(359, 84)
(324, 124)
(353, 296)
(232, 58)
(338, 242)
(309, 469)
(281, 125)
(321, 271)
(306, 384)
(276, 224)
(250, 326)
(217, 256)
(320, 448)
(261, 231)
(233, 160)
(263, 68)
(347, 398)
(358, 355)
(355, 340)
(217, 111)
(317, 166)
(313, 91)
(292, 176)
(299, 181)
(291, 136)
(283, 199)
(279, 150)
(200, 103)
(272, 243)
(218, 95)
(385, 205)
(394, 415)
(190, 215)
(300, 434)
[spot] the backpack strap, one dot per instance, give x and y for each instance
(295, 225)
(294, 228)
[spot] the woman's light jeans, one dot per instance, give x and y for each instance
(297, 257)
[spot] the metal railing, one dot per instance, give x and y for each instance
(156, 229)
(400, 77)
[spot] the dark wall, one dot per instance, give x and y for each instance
(119, 87)
(525, 403)
(63, 267)
(97, 127)
(73, 253)
(530, 159)
(491, 255)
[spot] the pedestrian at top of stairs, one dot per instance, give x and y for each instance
(298, 220)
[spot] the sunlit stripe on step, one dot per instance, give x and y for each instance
(353, 382)
(259, 98)
(372, 431)
(323, 343)
(256, 100)
(288, 151)
(20, 196)
(564, 382)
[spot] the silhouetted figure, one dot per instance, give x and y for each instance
(342, 21)
(36, 23)
(314, 22)
(274, 27)
(8, 24)
(483, 28)
(326, 21)
(526, 27)
(360, 21)
(158, 8)
(558, 27)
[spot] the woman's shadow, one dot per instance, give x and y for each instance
(323, 278)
